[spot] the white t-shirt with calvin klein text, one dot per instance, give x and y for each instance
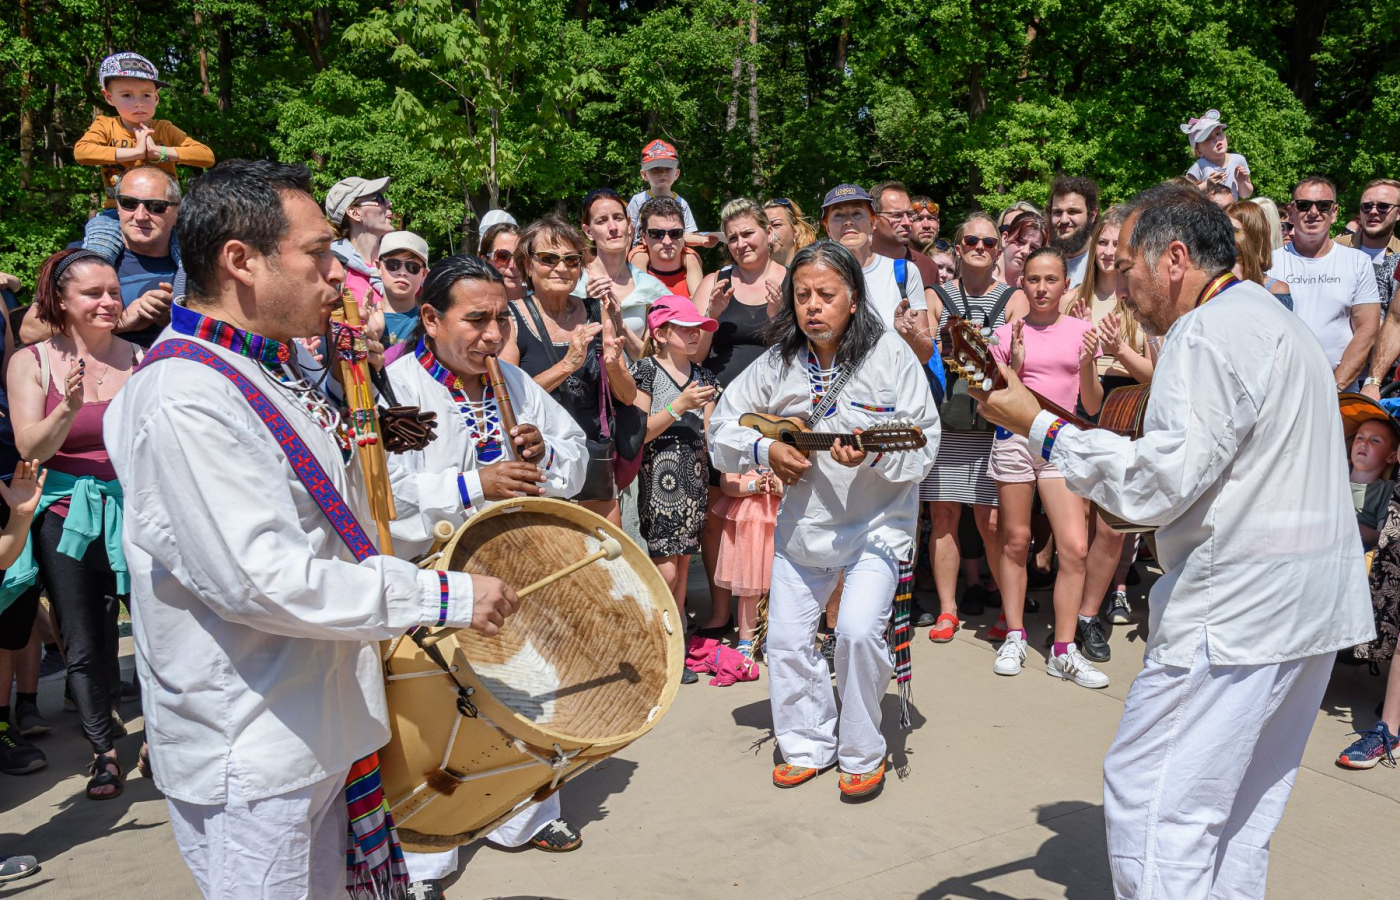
(1325, 289)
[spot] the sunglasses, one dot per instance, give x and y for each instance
(1382, 208)
(657, 234)
(1323, 206)
(410, 266)
(551, 260)
(156, 207)
(501, 256)
(943, 245)
(930, 207)
(970, 241)
(372, 200)
(779, 201)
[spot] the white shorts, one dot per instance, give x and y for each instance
(1013, 462)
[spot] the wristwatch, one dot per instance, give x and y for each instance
(1372, 380)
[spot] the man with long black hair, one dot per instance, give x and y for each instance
(835, 364)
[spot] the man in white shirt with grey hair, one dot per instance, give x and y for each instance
(1242, 470)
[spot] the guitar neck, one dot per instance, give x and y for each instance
(818, 440)
(1052, 407)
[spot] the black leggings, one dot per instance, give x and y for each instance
(83, 596)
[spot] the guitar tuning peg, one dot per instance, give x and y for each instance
(986, 384)
(994, 341)
(986, 331)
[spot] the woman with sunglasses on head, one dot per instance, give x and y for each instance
(571, 349)
(788, 230)
(959, 475)
(625, 291)
(498, 248)
(59, 390)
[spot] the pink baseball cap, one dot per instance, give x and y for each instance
(678, 310)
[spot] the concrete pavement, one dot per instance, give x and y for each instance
(998, 797)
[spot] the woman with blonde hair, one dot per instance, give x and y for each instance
(1253, 251)
(1275, 221)
(788, 229)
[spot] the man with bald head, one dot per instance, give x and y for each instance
(1242, 471)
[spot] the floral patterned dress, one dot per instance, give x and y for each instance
(673, 487)
(1385, 587)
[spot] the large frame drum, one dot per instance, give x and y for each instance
(587, 665)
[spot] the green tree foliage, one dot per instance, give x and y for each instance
(530, 103)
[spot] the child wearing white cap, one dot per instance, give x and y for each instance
(1214, 161)
(403, 267)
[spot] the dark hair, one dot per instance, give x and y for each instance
(1167, 213)
(551, 228)
(237, 200)
(1320, 181)
(1076, 184)
(55, 275)
(660, 206)
(879, 190)
(603, 193)
(443, 277)
(488, 240)
(865, 327)
(1047, 250)
(1215, 188)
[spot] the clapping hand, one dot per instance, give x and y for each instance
(73, 386)
(1079, 309)
(1090, 348)
(578, 344)
(1111, 334)
(720, 296)
(905, 325)
(1018, 345)
(22, 494)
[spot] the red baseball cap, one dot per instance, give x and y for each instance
(659, 155)
(678, 310)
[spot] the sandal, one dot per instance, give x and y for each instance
(786, 775)
(557, 837)
(944, 628)
(143, 762)
(863, 785)
(101, 777)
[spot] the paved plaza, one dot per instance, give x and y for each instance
(999, 797)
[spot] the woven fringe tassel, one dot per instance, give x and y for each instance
(901, 632)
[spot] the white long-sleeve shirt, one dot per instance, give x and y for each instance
(1243, 469)
(836, 515)
(429, 484)
(254, 626)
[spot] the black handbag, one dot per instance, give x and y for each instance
(958, 410)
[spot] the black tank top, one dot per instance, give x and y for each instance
(579, 392)
(740, 339)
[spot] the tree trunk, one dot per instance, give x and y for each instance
(753, 98)
(842, 44)
(225, 66)
(976, 106)
(26, 96)
(1309, 20)
(203, 53)
(731, 113)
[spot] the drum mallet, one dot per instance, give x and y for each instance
(609, 548)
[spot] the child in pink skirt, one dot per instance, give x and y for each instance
(749, 510)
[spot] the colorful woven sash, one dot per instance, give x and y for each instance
(374, 860)
(900, 633)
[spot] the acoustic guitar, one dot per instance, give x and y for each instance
(967, 352)
(893, 438)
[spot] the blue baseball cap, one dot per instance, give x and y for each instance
(846, 193)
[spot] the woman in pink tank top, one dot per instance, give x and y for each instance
(59, 390)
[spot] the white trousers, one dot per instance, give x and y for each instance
(1199, 774)
(525, 824)
(288, 847)
(804, 707)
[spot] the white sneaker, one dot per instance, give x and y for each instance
(1072, 666)
(1011, 656)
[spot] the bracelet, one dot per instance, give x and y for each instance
(1372, 380)
(675, 415)
(164, 154)
(752, 487)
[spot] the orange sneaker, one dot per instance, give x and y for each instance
(786, 775)
(862, 785)
(944, 628)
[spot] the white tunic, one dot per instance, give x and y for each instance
(836, 515)
(254, 626)
(1243, 469)
(428, 483)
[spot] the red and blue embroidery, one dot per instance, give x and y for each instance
(483, 420)
(820, 380)
(254, 346)
(444, 596)
(1051, 434)
(856, 404)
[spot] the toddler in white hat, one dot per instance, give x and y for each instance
(1214, 161)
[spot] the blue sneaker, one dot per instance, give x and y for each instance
(1373, 746)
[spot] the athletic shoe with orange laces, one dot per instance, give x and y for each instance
(862, 785)
(944, 629)
(786, 775)
(998, 631)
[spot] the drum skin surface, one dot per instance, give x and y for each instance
(586, 665)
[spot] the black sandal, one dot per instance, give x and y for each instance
(143, 762)
(102, 778)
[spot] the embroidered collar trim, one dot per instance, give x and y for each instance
(254, 346)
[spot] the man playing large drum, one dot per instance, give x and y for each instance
(473, 461)
(833, 362)
(257, 596)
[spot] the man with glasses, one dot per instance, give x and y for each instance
(1334, 287)
(1380, 207)
(926, 222)
(894, 232)
(662, 223)
(148, 201)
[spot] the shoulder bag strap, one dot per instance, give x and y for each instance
(543, 333)
(1002, 299)
(304, 463)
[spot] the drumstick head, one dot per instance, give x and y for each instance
(443, 530)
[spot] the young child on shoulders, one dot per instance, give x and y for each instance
(1373, 454)
(1214, 161)
(661, 169)
(133, 137)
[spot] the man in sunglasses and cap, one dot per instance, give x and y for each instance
(1334, 287)
(361, 215)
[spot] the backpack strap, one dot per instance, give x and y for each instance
(304, 463)
(901, 275)
(1002, 299)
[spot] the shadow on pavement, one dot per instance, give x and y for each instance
(1074, 857)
